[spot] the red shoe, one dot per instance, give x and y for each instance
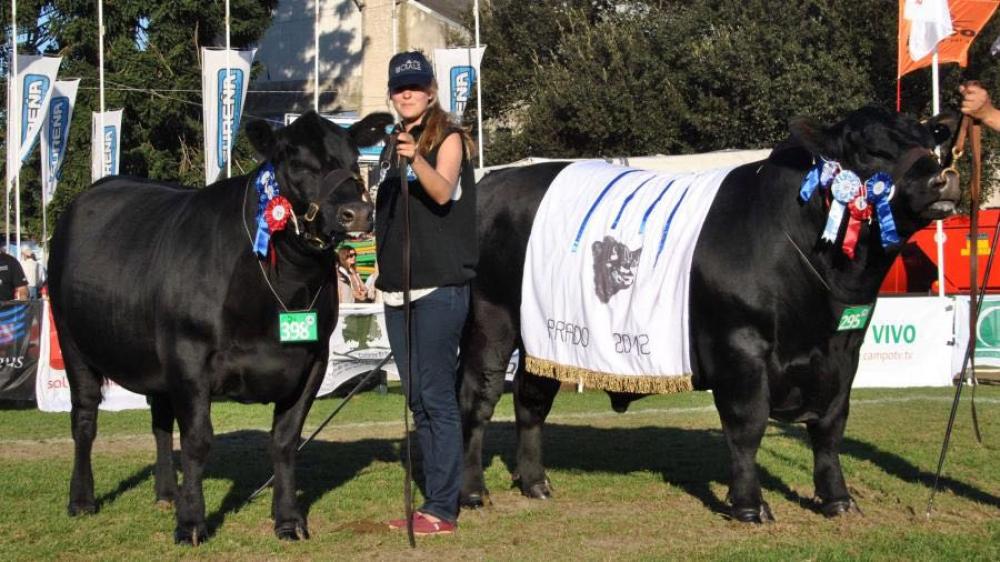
(423, 526)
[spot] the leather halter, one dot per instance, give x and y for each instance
(328, 185)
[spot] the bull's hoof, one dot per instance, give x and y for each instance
(759, 515)
(164, 505)
(476, 500)
(292, 532)
(838, 508)
(81, 508)
(192, 535)
(540, 491)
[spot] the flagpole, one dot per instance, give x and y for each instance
(100, 73)
(316, 57)
(479, 89)
(17, 143)
(232, 133)
(12, 102)
(939, 226)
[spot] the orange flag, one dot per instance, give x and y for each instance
(967, 17)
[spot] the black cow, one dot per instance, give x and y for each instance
(158, 288)
(765, 299)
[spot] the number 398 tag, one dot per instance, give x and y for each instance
(297, 327)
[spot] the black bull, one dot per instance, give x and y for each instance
(157, 288)
(765, 299)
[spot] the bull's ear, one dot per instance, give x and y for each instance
(596, 247)
(815, 137)
(370, 130)
(261, 137)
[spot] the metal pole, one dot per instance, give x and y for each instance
(479, 89)
(13, 101)
(232, 133)
(100, 73)
(939, 234)
(316, 57)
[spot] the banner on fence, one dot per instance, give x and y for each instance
(52, 388)
(55, 135)
(910, 342)
(19, 348)
(26, 111)
(223, 93)
(457, 71)
(105, 145)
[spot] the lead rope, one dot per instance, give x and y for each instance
(404, 186)
(975, 300)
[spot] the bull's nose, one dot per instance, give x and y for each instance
(347, 216)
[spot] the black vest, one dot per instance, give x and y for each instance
(443, 240)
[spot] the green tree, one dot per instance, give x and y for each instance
(151, 70)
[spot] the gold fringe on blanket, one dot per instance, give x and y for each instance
(640, 384)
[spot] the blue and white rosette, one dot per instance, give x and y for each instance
(266, 184)
(844, 189)
(819, 176)
(880, 191)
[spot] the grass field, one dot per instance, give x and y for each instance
(649, 484)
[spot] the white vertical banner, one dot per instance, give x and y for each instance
(36, 77)
(106, 144)
(55, 135)
(457, 71)
(222, 103)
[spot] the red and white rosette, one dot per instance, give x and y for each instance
(860, 211)
(277, 213)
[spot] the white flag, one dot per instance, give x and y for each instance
(457, 71)
(105, 145)
(55, 135)
(222, 98)
(930, 23)
(26, 110)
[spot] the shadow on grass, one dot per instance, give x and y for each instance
(689, 459)
(898, 466)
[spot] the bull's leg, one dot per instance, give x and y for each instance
(491, 333)
(85, 395)
(163, 432)
(826, 436)
(744, 420)
(192, 407)
(286, 431)
(533, 396)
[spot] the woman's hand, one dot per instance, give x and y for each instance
(406, 145)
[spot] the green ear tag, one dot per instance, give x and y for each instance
(854, 318)
(297, 327)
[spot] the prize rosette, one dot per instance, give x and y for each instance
(277, 213)
(266, 185)
(860, 211)
(880, 189)
(819, 176)
(845, 188)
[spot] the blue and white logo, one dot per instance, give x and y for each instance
(36, 86)
(58, 134)
(110, 147)
(462, 79)
(230, 108)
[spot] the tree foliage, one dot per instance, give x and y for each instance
(152, 71)
(645, 76)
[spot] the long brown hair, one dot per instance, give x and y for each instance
(438, 125)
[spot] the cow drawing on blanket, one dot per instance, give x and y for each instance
(175, 293)
(614, 267)
(783, 267)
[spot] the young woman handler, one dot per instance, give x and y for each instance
(435, 156)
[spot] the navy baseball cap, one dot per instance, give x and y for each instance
(409, 69)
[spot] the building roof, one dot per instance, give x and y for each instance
(454, 10)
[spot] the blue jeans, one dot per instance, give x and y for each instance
(436, 323)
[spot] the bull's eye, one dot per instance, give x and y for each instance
(881, 154)
(941, 133)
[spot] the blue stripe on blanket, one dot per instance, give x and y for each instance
(586, 219)
(649, 211)
(628, 200)
(666, 227)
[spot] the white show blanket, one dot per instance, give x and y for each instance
(624, 325)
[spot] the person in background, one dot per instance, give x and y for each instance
(434, 154)
(13, 284)
(350, 288)
(976, 103)
(32, 271)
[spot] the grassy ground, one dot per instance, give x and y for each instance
(649, 484)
